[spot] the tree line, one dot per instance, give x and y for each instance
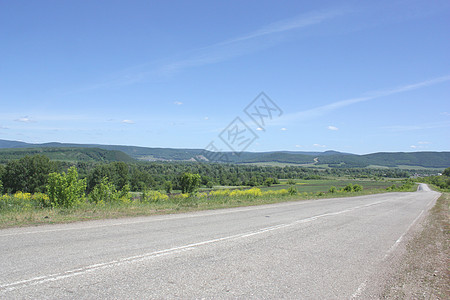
(30, 174)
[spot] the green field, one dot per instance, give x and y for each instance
(323, 185)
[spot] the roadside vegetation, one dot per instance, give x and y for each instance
(34, 190)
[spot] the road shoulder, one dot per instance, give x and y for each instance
(419, 267)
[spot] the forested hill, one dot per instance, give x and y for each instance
(93, 152)
(70, 154)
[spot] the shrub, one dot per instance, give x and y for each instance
(189, 183)
(332, 189)
(168, 187)
(292, 191)
(65, 190)
(291, 182)
(105, 192)
(391, 188)
(348, 188)
(202, 195)
(357, 188)
(41, 200)
(269, 181)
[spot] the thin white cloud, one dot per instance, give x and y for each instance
(178, 103)
(259, 129)
(298, 146)
(283, 129)
(250, 42)
(298, 22)
(322, 110)
(319, 145)
(24, 120)
(420, 145)
(128, 122)
(234, 47)
(332, 128)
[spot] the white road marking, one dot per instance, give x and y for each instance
(397, 242)
(91, 268)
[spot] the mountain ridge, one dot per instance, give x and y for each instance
(430, 159)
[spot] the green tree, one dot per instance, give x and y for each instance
(65, 189)
(269, 181)
(189, 182)
(291, 182)
(1, 187)
(28, 174)
(332, 189)
(168, 187)
(253, 181)
(446, 172)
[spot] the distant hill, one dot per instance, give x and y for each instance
(390, 159)
(66, 154)
(94, 152)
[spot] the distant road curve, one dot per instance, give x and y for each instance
(423, 188)
(318, 249)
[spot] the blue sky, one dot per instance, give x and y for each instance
(351, 76)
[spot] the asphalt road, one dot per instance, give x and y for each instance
(319, 249)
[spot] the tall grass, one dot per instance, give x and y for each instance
(27, 209)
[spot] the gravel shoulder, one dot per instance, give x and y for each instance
(422, 270)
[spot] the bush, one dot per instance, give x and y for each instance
(189, 183)
(41, 200)
(291, 182)
(357, 188)
(168, 187)
(391, 188)
(65, 190)
(105, 192)
(292, 191)
(348, 188)
(269, 181)
(332, 189)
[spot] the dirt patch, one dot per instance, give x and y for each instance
(423, 269)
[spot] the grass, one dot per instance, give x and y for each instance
(310, 189)
(24, 209)
(323, 185)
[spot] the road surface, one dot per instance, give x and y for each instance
(318, 249)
